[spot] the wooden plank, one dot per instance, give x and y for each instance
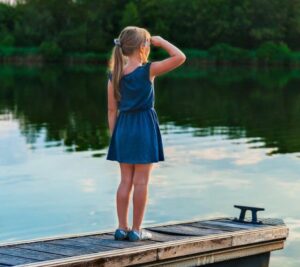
(251, 237)
(217, 227)
(184, 230)
(108, 240)
(21, 252)
(233, 224)
(14, 260)
(266, 221)
(58, 249)
(207, 230)
(224, 226)
(212, 257)
(194, 246)
(161, 237)
(138, 256)
(104, 241)
(82, 244)
(272, 221)
(123, 257)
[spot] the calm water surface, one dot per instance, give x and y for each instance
(231, 136)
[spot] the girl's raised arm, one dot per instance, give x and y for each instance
(177, 57)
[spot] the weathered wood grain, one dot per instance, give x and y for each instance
(233, 224)
(204, 230)
(83, 245)
(252, 237)
(108, 240)
(185, 230)
(194, 245)
(58, 249)
(27, 253)
(14, 260)
(265, 221)
(161, 237)
(216, 227)
(261, 251)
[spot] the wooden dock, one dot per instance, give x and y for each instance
(189, 243)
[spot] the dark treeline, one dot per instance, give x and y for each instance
(61, 26)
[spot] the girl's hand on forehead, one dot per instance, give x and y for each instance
(156, 40)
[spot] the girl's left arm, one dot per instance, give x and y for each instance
(112, 107)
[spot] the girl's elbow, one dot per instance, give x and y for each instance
(181, 59)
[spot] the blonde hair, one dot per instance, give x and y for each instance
(130, 38)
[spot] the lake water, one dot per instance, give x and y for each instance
(231, 136)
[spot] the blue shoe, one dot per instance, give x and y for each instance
(134, 235)
(121, 234)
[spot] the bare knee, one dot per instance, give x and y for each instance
(141, 174)
(140, 180)
(126, 184)
(126, 175)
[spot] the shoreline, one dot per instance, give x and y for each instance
(224, 56)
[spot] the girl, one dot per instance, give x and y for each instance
(136, 141)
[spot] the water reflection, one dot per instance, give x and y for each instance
(70, 105)
(230, 137)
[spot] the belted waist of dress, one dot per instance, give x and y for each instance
(136, 110)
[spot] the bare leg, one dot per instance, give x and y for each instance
(140, 180)
(123, 194)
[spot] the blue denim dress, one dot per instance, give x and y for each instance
(136, 137)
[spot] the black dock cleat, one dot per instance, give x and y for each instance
(244, 209)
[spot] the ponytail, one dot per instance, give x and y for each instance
(116, 67)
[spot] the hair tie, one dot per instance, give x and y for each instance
(117, 42)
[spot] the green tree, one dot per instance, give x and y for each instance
(130, 15)
(91, 25)
(50, 50)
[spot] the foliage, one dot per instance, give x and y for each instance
(228, 29)
(50, 50)
(225, 52)
(271, 51)
(18, 51)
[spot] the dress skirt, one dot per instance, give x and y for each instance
(136, 138)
